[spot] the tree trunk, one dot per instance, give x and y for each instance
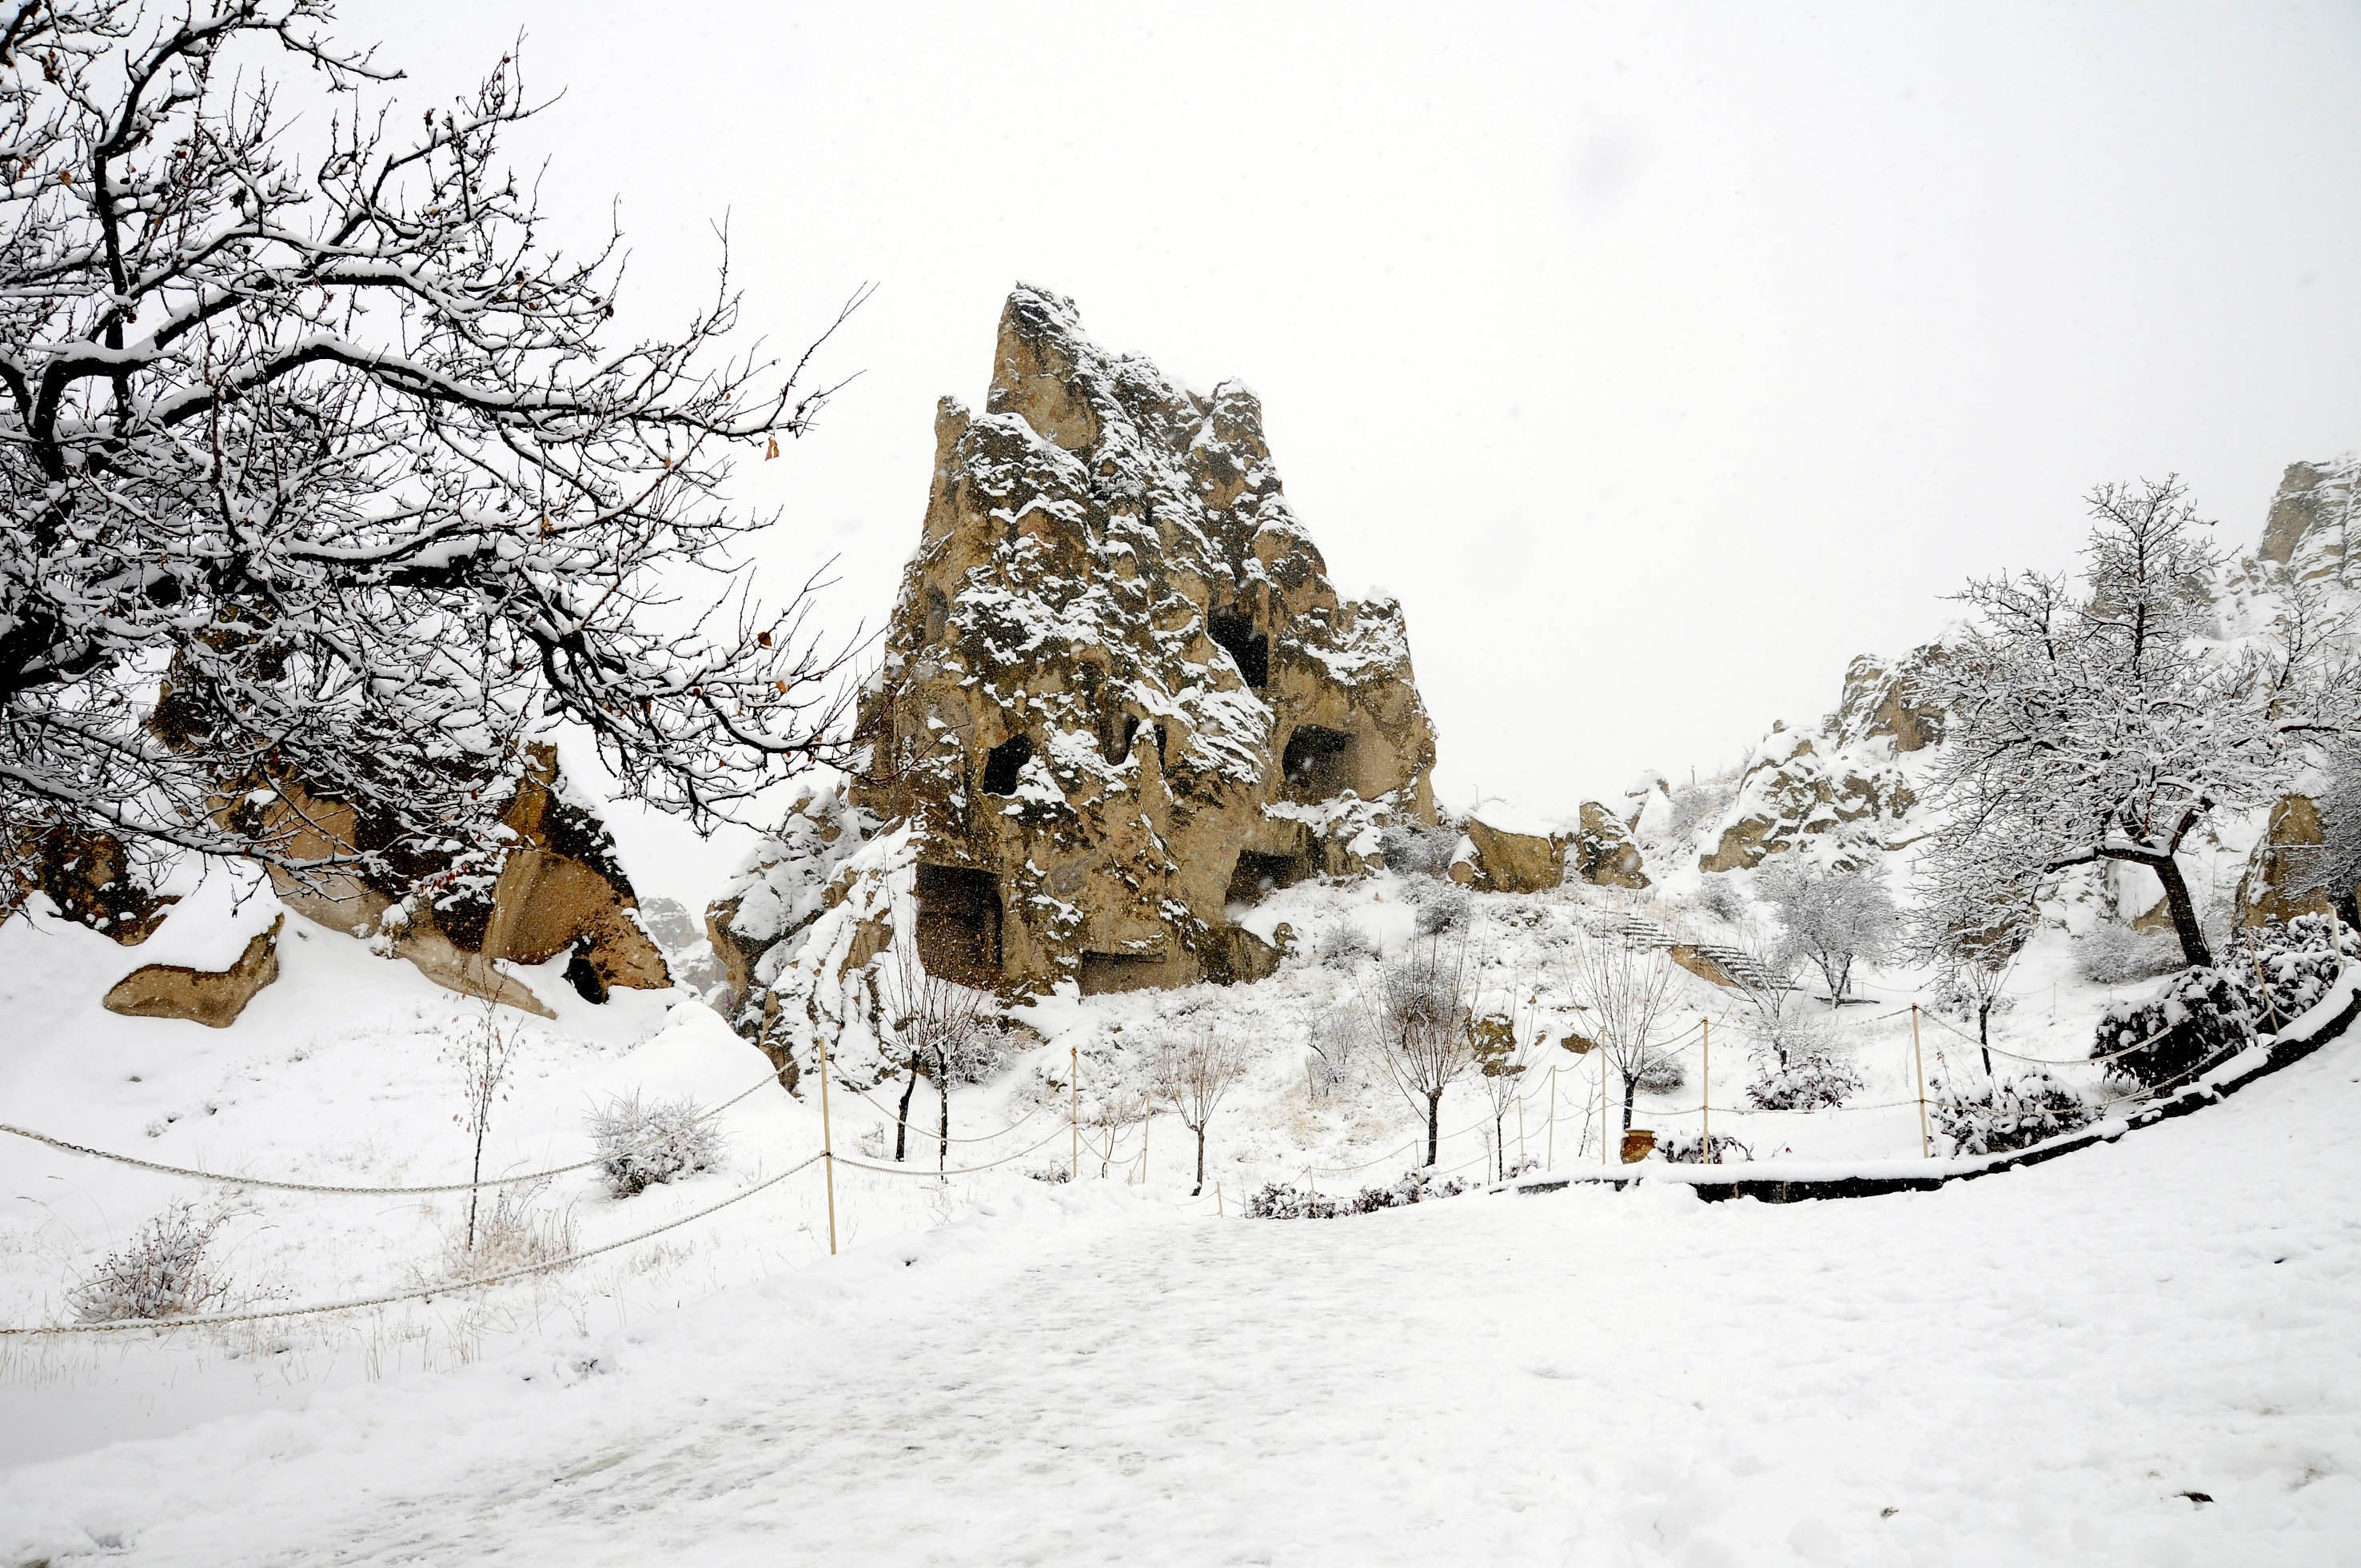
(2185, 924)
(1984, 1034)
(943, 1148)
(1434, 1124)
(1200, 1131)
(902, 1121)
(1630, 1088)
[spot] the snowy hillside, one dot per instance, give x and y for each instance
(2138, 1356)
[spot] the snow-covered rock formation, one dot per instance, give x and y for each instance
(1119, 698)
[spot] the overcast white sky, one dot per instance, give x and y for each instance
(1659, 357)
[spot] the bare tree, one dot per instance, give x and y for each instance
(1972, 923)
(1196, 1072)
(941, 1029)
(1419, 1015)
(1626, 991)
(481, 1059)
(2097, 725)
(1501, 1044)
(322, 474)
(1831, 919)
(1765, 978)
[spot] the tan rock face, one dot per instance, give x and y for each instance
(552, 887)
(2267, 889)
(2314, 526)
(1506, 862)
(1119, 694)
(1882, 701)
(88, 878)
(1793, 792)
(212, 997)
(1603, 851)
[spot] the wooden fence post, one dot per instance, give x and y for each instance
(1925, 1140)
(826, 1146)
(1704, 1093)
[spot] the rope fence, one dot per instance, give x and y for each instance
(828, 1158)
(275, 1185)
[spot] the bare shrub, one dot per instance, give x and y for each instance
(514, 1230)
(941, 1029)
(162, 1273)
(482, 1062)
(643, 1142)
(1334, 1035)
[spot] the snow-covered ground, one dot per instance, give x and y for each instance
(2141, 1355)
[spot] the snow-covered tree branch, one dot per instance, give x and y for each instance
(322, 475)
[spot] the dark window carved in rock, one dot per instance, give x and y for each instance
(1004, 763)
(1317, 762)
(1103, 972)
(1249, 648)
(1258, 874)
(958, 924)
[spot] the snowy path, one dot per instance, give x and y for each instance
(2029, 1369)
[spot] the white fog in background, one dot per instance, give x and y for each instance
(1660, 359)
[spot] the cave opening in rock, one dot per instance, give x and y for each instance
(958, 924)
(1258, 874)
(1250, 649)
(938, 614)
(1317, 762)
(1117, 733)
(1004, 763)
(1103, 972)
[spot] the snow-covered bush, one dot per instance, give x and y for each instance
(1812, 1079)
(1696, 804)
(643, 1142)
(1689, 1149)
(1346, 945)
(1281, 1200)
(2290, 966)
(1051, 1174)
(2200, 1018)
(2012, 1115)
(163, 1273)
(1661, 1072)
(2272, 974)
(1442, 906)
(1414, 851)
(1717, 898)
(2118, 955)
